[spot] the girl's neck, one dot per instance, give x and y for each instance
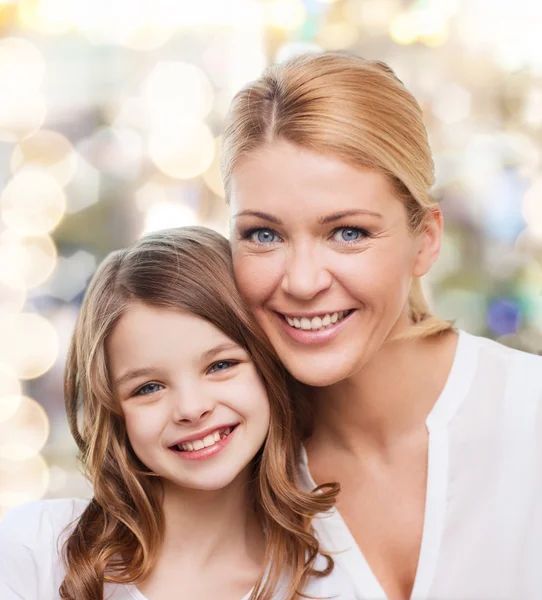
(388, 400)
(204, 525)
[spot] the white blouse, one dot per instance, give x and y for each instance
(482, 533)
(31, 539)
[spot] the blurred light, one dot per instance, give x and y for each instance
(28, 344)
(154, 191)
(176, 90)
(532, 207)
(24, 434)
(466, 307)
(168, 214)
(71, 276)
(114, 150)
(292, 49)
(84, 189)
(10, 393)
(22, 481)
(136, 25)
(284, 14)
(212, 176)
(50, 17)
(11, 299)
(9, 405)
(403, 29)
(58, 479)
(335, 36)
(373, 15)
(449, 260)
(20, 117)
(504, 316)
(49, 150)
(26, 262)
(533, 108)
(132, 113)
(183, 151)
(427, 24)
(32, 203)
(22, 68)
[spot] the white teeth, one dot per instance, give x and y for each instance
(317, 323)
(208, 440)
(305, 323)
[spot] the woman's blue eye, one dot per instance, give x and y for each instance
(349, 234)
(148, 388)
(222, 366)
(263, 236)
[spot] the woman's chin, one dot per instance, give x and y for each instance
(320, 372)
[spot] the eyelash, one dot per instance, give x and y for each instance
(247, 235)
(229, 363)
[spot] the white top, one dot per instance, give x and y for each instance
(482, 533)
(31, 539)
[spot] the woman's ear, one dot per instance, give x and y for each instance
(430, 241)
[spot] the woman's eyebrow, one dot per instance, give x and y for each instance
(259, 214)
(226, 346)
(347, 213)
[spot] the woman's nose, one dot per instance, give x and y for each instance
(305, 274)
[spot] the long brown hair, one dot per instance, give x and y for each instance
(117, 537)
(353, 109)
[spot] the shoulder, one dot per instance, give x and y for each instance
(495, 358)
(43, 521)
(31, 536)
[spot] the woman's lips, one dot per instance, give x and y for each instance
(314, 336)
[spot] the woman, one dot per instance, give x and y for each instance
(434, 435)
(180, 411)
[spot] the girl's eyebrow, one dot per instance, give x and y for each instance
(133, 374)
(210, 354)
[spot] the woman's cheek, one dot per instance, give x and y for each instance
(257, 276)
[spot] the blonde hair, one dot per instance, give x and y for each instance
(118, 536)
(355, 110)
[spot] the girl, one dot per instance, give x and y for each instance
(434, 435)
(185, 430)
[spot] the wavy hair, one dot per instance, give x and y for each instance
(117, 537)
(355, 110)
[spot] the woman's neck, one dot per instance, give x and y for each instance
(203, 525)
(388, 400)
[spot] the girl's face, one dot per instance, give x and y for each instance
(324, 256)
(196, 411)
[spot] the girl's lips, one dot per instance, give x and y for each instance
(304, 336)
(208, 452)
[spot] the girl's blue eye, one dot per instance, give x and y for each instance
(222, 366)
(148, 388)
(349, 234)
(263, 236)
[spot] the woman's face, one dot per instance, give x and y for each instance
(196, 411)
(324, 256)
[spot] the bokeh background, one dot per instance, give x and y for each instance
(110, 119)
